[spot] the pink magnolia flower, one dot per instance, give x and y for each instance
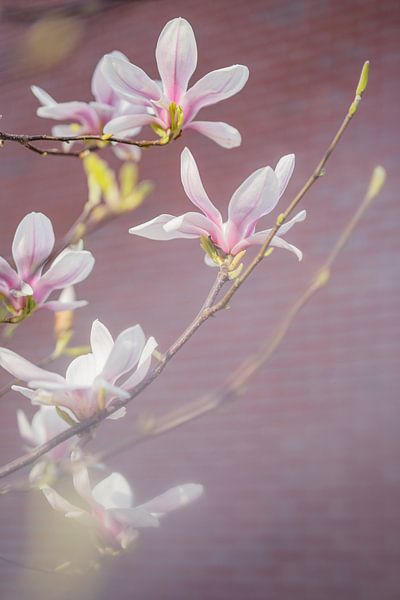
(32, 246)
(45, 425)
(89, 118)
(256, 197)
(171, 107)
(92, 381)
(110, 506)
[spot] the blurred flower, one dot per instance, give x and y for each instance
(171, 107)
(27, 287)
(45, 425)
(256, 197)
(91, 382)
(110, 506)
(89, 118)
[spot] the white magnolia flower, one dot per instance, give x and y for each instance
(110, 506)
(92, 381)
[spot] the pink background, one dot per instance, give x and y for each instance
(302, 473)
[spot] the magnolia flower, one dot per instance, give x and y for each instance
(33, 244)
(45, 425)
(89, 118)
(92, 381)
(110, 506)
(171, 107)
(256, 196)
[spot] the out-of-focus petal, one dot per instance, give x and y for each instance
(219, 132)
(101, 89)
(44, 98)
(113, 492)
(60, 503)
(154, 229)
(129, 81)
(173, 499)
(102, 343)
(24, 428)
(56, 305)
(194, 188)
(214, 87)
(23, 369)
(33, 243)
(176, 56)
(135, 517)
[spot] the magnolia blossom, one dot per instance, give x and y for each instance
(45, 425)
(89, 118)
(256, 196)
(33, 244)
(110, 506)
(92, 381)
(171, 106)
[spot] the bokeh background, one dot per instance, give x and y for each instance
(302, 473)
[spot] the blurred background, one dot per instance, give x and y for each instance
(302, 472)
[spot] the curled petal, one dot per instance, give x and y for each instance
(33, 243)
(176, 56)
(221, 133)
(129, 81)
(154, 229)
(194, 189)
(284, 170)
(278, 242)
(214, 87)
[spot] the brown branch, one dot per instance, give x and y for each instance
(201, 318)
(234, 384)
(102, 140)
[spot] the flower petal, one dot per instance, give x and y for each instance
(113, 492)
(176, 56)
(102, 343)
(8, 276)
(284, 170)
(56, 305)
(214, 87)
(80, 112)
(191, 224)
(219, 132)
(143, 366)
(135, 517)
(59, 503)
(101, 89)
(33, 243)
(120, 125)
(281, 243)
(82, 371)
(70, 267)
(23, 369)
(172, 499)
(125, 353)
(194, 189)
(44, 98)
(254, 198)
(25, 429)
(129, 81)
(154, 229)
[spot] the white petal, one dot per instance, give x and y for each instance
(281, 243)
(44, 98)
(192, 224)
(125, 353)
(284, 170)
(143, 366)
(68, 268)
(80, 477)
(176, 56)
(33, 243)
(23, 369)
(173, 499)
(113, 492)
(154, 229)
(135, 517)
(57, 306)
(194, 188)
(82, 371)
(219, 132)
(102, 343)
(24, 428)
(120, 125)
(59, 503)
(101, 89)
(214, 87)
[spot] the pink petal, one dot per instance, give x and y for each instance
(221, 133)
(33, 243)
(22, 369)
(194, 189)
(8, 276)
(101, 89)
(129, 81)
(254, 198)
(80, 112)
(284, 170)
(120, 125)
(69, 268)
(214, 87)
(154, 229)
(176, 56)
(192, 224)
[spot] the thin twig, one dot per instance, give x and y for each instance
(201, 318)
